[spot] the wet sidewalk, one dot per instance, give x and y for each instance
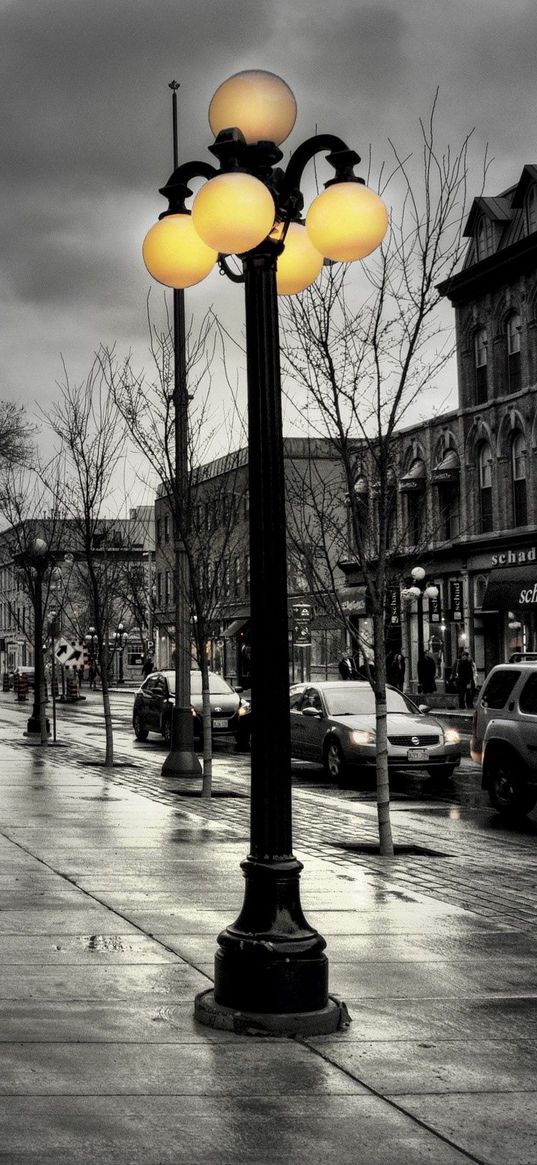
(110, 903)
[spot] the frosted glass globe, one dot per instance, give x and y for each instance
(174, 254)
(299, 264)
(258, 103)
(347, 221)
(233, 212)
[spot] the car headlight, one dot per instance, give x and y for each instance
(243, 708)
(362, 736)
(451, 736)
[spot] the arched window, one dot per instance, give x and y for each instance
(518, 480)
(484, 463)
(513, 330)
(480, 366)
(531, 210)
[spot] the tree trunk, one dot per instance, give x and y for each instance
(383, 781)
(207, 782)
(109, 735)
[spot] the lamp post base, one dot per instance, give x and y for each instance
(271, 961)
(33, 727)
(323, 1022)
(181, 760)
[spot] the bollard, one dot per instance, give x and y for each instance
(72, 689)
(22, 687)
(5, 682)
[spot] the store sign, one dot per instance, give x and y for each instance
(514, 557)
(302, 613)
(393, 604)
(455, 600)
(434, 609)
(353, 601)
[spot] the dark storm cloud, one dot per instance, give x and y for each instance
(86, 127)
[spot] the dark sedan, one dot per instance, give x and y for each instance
(333, 723)
(154, 701)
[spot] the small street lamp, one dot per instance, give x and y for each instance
(38, 559)
(120, 641)
(417, 588)
(270, 964)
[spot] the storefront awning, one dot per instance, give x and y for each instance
(234, 627)
(511, 588)
(414, 480)
(447, 470)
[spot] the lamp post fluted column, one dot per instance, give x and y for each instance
(269, 960)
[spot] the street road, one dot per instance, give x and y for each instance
(443, 833)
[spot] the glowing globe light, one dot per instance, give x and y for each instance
(258, 103)
(417, 573)
(174, 254)
(347, 221)
(299, 264)
(233, 212)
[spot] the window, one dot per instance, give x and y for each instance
(480, 366)
(528, 696)
(166, 528)
(167, 590)
(415, 506)
(513, 352)
(159, 589)
(531, 209)
(448, 504)
(485, 488)
(237, 575)
(247, 575)
(499, 688)
(518, 480)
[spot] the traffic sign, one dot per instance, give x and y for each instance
(70, 654)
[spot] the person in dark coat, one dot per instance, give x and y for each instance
(427, 672)
(465, 680)
(148, 666)
(347, 667)
(396, 667)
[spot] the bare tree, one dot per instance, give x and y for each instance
(91, 443)
(147, 406)
(362, 368)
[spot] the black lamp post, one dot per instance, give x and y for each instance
(120, 641)
(270, 966)
(417, 588)
(38, 559)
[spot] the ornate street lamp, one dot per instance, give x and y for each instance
(270, 965)
(416, 590)
(120, 641)
(38, 558)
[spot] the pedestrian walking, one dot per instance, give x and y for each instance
(465, 671)
(92, 675)
(148, 666)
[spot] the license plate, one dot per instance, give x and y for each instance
(418, 754)
(219, 723)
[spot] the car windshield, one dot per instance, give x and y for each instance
(217, 685)
(348, 700)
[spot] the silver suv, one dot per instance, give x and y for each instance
(504, 735)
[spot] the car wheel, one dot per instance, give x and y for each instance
(140, 732)
(445, 772)
(508, 793)
(333, 760)
(167, 730)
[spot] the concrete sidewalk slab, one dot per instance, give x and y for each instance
(110, 904)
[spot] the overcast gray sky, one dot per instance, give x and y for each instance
(86, 133)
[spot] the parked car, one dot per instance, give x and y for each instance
(504, 736)
(334, 723)
(154, 700)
